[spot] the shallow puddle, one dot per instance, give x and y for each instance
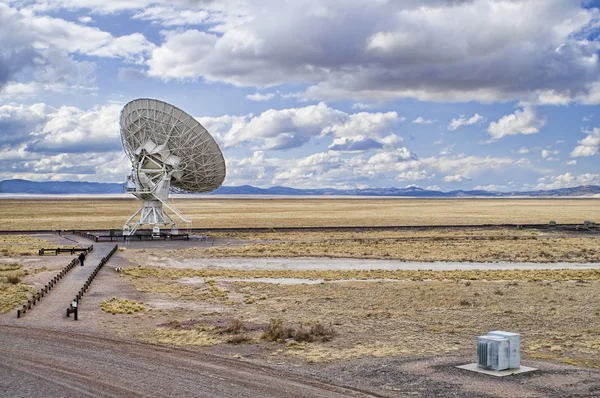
(277, 281)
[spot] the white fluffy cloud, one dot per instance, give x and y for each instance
(525, 121)
(548, 154)
(72, 130)
(45, 129)
(354, 144)
(455, 178)
(432, 50)
(72, 37)
(568, 180)
(422, 120)
(589, 145)
(172, 16)
(429, 50)
(331, 168)
(38, 52)
(40, 142)
(258, 97)
(463, 121)
(293, 127)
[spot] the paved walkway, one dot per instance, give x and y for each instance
(50, 311)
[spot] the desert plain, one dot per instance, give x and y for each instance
(207, 212)
(328, 302)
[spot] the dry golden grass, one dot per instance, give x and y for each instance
(191, 337)
(12, 296)
(20, 245)
(159, 275)
(557, 312)
(516, 249)
(213, 213)
(24, 245)
(122, 306)
(420, 318)
(9, 267)
(407, 234)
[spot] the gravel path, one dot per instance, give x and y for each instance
(50, 311)
(39, 363)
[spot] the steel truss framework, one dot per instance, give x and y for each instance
(167, 148)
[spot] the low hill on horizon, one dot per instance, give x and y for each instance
(18, 186)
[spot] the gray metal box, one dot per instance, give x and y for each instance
(493, 352)
(514, 343)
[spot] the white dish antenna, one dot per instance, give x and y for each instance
(167, 148)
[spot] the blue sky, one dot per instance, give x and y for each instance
(494, 94)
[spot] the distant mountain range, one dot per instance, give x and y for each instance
(70, 187)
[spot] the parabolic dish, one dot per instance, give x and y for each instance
(180, 139)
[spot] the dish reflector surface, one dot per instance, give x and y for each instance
(177, 139)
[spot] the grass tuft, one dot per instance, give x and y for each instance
(10, 267)
(122, 306)
(235, 327)
(277, 331)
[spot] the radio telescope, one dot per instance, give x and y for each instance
(168, 149)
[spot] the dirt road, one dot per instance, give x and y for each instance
(45, 363)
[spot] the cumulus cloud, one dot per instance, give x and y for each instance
(525, 121)
(46, 129)
(293, 127)
(429, 50)
(589, 145)
(463, 121)
(414, 175)
(86, 19)
(38, 52)
(567, 180)
(548, 154)
(455, 178)
(41, 142)
(258, 97)
(172, 16)
(74, 38)
(19, 122)
(422, 120)
(354, 144)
